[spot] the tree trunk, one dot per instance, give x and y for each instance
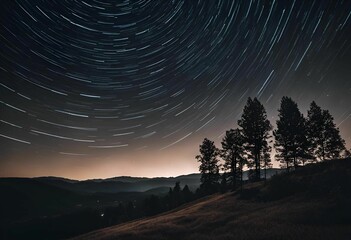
(234, 172)
(323, 152)
(233, 176)
(241, 176)
(258, 174)
(256, 167)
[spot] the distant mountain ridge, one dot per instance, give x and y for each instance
(127, 183)
(121, 184)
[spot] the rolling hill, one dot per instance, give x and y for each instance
(312, 202)
(121, 184)
(130, 184)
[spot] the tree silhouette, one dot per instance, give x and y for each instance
(290, 136)
(176, 196)
(297, 140)
(176, 189)
(187, 194)
(324, 136)
(255, 128)
(335, 145)
(232, 154)
(209, 167)
(315, 128)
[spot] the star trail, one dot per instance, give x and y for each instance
(126, 84)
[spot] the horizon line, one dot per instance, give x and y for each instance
(87, 179)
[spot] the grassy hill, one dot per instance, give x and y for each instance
(312, 202)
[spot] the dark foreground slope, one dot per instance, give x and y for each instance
(313, 202)
(32, 209)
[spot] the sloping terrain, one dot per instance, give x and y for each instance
(311, 203)
(35, 209)
(24, 198)
(57, 208)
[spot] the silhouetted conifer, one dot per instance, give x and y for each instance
(255, 128)
(232, 154)
(176, 189)
(291, 143)
(187, 194)
(177, 195)
(326, 142)
(209, 166)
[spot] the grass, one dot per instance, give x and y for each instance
(311, 203)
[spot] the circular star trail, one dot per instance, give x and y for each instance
(83, 78)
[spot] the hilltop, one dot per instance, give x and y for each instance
(312, 202)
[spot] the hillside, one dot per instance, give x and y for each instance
(34, 208)
(311, 203)
(25, 198)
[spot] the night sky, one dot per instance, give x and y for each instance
(103, 88)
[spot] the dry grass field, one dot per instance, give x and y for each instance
(313, 202)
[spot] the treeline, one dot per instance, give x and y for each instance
(150, 206)
(297, 140)
(82, 220)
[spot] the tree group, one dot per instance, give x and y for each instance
(297, 140)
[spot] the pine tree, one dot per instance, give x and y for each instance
(209, 166)
(315, 128)
(290, 136)
(323, 134)
(232, 154)
(176, 189)
(187, 194)
(255, 128)
(177, 194)
(335, 145)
